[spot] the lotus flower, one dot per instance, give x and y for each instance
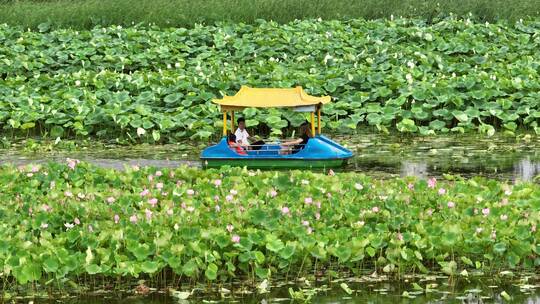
(432, 182)
(235, 239)
(116, 218)
(140, 131)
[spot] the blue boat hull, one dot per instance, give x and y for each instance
(319, 152)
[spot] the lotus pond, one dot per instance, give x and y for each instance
(74, 224)
(376, 154)
(151, 84)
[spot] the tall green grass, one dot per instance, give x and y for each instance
(185, 13)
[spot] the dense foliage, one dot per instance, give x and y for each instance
(454, 75)
(62, 221)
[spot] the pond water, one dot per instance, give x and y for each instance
(429, 289)
(376, 154)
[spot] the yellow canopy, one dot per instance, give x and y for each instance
(269, 98)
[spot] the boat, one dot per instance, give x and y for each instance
(319, 152)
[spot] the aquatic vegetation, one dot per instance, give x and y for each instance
(155, 84)
(61, 221)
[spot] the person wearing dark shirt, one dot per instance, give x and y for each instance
(298, 144)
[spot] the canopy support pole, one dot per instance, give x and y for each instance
(224, 123)
(312, 123)
(319, 120)
(232, 121)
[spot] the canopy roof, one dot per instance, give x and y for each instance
(269, 98)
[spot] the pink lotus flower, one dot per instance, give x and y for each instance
(305, 223)
(318, 204)
(46, 208)
(44, 226)
(68, 194)
(308, 200)
(242, 209)
(190, 192)
(329, 195)
(72, 163)
(217, 182)
(284, 210)
(183, 205)
(442, 191)
(30, 211)
(358, 186)
(76, 221)
(235, 239)
(493, 234)
(273, 193)
(432, 182)
(159, 173)
(410, 186)
(133, 218)
(116, 218)
(429, 212)
(533, 228)
(148, 214)
(485, 211)
(34, 169)
(451, 204)
(400, 236)
(153, 202)
(110, 200)
(159, 186)
(230, 228)
(331, 172)
(150, 177)
(375, 209)
(170, 212)
(233, 192)
(504, 217)
(144, 192)
(216, 198)
(229, 198)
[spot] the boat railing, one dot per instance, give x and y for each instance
(268, 148)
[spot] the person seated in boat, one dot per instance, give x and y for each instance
(241, 133)
(231, 140)
(295, 145)
(243, 137)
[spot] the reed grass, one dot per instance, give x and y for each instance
(85, 14)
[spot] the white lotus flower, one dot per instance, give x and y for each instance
(140, 131)
(409, 78)
(77, 82)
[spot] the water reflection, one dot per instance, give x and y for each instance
(523, 170)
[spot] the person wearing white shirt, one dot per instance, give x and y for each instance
(241, 133)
